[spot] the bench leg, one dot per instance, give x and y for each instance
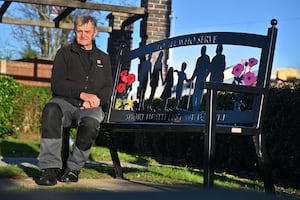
(264, 163)
(210, 139)
(114, 155)
(65, 148)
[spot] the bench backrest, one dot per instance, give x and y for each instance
(246, 90)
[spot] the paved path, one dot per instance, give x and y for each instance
(111, 189)
(101, 184)
(109, 185)
(115, 189)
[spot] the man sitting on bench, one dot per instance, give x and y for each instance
(81, 83)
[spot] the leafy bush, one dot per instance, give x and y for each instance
(21, 107)
(8, 91)
(28, 113)
(281, 127)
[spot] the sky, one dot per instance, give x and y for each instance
(196, 16)
(242, 16)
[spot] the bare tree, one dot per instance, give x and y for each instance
(43, 41)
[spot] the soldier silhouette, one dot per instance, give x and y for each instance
(155, 75)
(181, 78)
(144, 72)
(200, 73)
(167, 92)
(218, 65)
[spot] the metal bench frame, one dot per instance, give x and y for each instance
(211, 126)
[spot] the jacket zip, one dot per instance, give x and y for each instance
(87, 81)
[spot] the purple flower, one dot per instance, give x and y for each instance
(252, 62)
(237, 69)
(249, 78)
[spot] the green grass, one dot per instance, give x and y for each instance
(11, 171)
(102, 154)
(10, 147)
(151, 171)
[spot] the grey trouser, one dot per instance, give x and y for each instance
(58, 114)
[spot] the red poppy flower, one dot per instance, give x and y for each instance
(237, 69)
(124, 79)
(124, 73)
(249, 78)
(130, 78)
(121, 87)
(252, 62)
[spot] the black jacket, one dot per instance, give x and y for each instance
(69, 78)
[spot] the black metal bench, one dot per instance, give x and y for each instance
(239, 119)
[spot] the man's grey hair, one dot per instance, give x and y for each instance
(84, 19)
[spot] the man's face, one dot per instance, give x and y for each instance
(85, 34)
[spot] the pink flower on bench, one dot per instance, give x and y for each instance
(243, 73)
(238, 69)
(249, 78)
(252, 62)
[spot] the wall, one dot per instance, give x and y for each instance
(35, 72)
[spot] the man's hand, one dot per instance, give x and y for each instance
(89, 100)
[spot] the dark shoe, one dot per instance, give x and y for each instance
(49, 177)
(70, 176)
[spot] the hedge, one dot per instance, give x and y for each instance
(21, 108)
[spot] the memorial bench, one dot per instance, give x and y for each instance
(244, 117)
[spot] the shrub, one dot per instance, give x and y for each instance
(281, 127)
(8, 91)
(28, 113)
(21, 107)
